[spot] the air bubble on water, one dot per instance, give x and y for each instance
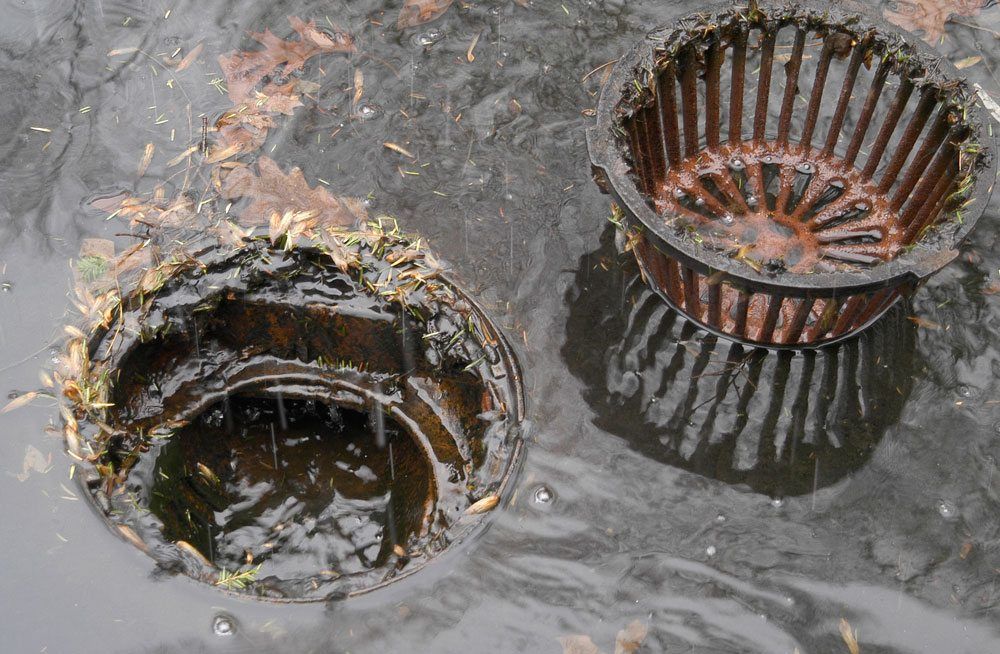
(543, 495)
(947, 510)
(6, 286)
(710, 550)
(777, 502)
(223, 625)
(369, 110)
(964, 391)
(728, 219)
(429, 38)
(720, 518)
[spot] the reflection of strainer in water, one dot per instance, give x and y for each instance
(300, 423)
(791, 204)
(782, 423)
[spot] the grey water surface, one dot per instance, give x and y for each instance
(888, 514)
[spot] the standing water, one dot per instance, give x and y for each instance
(890, 536)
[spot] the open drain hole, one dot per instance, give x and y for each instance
(305, 486)
(272, 424)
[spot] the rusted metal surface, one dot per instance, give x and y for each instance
(762, 235)
(259, 327)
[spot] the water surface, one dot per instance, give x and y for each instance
(903, 541)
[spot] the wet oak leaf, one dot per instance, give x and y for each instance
(244, 70)
(630, 639)
(929, 16)
(418, 12)
(578, 644)
(271, 191)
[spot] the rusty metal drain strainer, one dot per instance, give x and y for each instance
(788, 172)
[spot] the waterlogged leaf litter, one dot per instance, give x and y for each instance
(271, 191)
(21, 400)
(628, 640)
(418, 12)
(850, 637)
(34, 461)
(244, 70)
(930, 16)
(488, 503)
(578, 644)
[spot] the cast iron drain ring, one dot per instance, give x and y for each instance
(800, 217)
(175, 388)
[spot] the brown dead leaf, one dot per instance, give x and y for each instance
(245, 129)
(849, 637)
(631, 637)
(147, 156)
(97, 247)
(968, 62)
(966, 550)
(34, 461)
(578, 644)
(272, 191)
(190, 57)
(243, 71)
(359, 86)
(929, 16)
(488, 503)
(19, 401)
(418, 12)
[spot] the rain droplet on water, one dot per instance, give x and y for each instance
(369, 110)
(947, 510)
(543, 495)
(428, 38)
(710, 550)
(223, 625)
(777, 502)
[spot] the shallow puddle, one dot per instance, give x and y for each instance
(887, 522)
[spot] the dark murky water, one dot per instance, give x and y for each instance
(901, 535)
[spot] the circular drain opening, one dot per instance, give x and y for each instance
(305, 487)
(295, 424)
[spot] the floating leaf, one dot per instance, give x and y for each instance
(929, 16)
(578, 644)
(147, 156)
(418, 12)
(968, 62)
(19, 401)
(631, 637)
(278, 57)
(488, 503)
(190, 57)
(849, 637)
(272, 191)
(34, 461)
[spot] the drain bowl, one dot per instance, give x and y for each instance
(787, 173)
(295, 425)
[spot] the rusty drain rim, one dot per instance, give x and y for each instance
(672, 260)
(91, 429)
